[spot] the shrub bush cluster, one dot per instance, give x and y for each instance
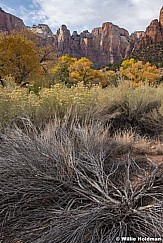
(121, 107)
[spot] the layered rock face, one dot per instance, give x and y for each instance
(154, 31)
(161, 18)
(106, 44)
(9, 22)
(103, 45)
(152, 35)
(109, 43)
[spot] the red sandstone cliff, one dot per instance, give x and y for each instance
(9, 22)
(152, 35)
(103, 45)
(109, 43)
(106, 44)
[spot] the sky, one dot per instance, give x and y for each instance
(81, 15)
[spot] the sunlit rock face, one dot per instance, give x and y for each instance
(42, 30)
(106, 44)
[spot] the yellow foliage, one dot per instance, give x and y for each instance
(81, 71)
(138, 73)
(71, 71)
(24, 56)
(18, 57)
(60, 72)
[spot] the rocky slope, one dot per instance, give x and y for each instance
(153, 35)
(152, 53)
(106, 44)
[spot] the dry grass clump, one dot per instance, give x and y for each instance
(130, 141)
(65, 184)
(138, 109)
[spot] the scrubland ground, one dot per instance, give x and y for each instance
(81, 165)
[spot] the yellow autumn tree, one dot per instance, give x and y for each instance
(138, 73)
(71, 71)
(46, 50)
(18, 57)
(60, 71)
(82, 70)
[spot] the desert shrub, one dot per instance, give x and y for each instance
(66, 185)
(16, 103)
(139, 109)
(44, 105)
(121, 107)
(111, 78)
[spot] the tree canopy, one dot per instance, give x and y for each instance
(23, 57)
(138, 73)
(70, 71)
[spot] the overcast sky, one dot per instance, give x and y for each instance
(85, 14)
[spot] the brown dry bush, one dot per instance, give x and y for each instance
(65, 184)
(145, 119)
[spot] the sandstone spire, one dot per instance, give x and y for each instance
(161, 17)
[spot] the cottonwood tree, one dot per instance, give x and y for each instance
(24, 56)
(71, 71)
(82, 71)
(139, 73)
(60, 72)
(18, 57)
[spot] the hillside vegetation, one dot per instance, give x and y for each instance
(152, 53)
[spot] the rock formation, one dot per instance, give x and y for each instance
(152, 35)
(154, 32)
(161, 18)
(109, 43)
(42, 30)
(10, 22)
(106, 44)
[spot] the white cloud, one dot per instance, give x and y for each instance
(32, 16)
(8, 9)
(87, 14)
